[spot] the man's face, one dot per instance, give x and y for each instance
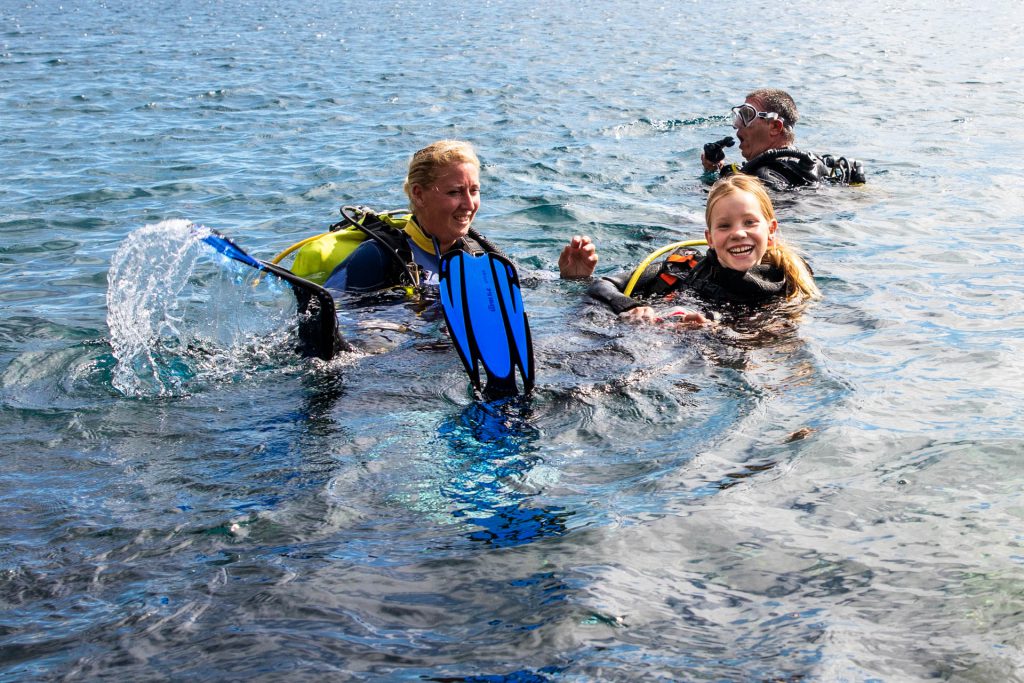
(760, 134)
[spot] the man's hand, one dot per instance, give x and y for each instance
(710, 166)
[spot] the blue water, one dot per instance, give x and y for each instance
(183, 499)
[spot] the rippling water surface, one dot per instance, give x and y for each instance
(182, 498)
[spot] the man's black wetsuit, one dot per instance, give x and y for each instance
(788, 167)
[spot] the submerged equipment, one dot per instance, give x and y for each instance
(483, 307)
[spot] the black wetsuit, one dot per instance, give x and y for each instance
(686, 270)
(788, 167)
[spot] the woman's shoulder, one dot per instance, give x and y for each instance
(366, 269)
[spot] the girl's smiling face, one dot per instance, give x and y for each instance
(738, 230)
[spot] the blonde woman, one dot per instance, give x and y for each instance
(443, 188)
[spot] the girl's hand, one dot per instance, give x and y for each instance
(679, 317)
(578, 259)
(640, 314)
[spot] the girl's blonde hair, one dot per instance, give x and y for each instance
(425, 164)
(800, 281)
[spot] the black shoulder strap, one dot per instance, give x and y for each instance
(393, 241)
(484, 243)
(673, 271)
(396, 243)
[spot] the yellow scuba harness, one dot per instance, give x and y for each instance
(635, 277)
(319, 255)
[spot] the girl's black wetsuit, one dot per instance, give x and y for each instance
(686, 269)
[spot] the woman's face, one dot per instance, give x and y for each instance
(738, 231)
(446, 209)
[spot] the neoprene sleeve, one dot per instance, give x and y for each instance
(608, 289)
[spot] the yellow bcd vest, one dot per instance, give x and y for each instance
(317, 258)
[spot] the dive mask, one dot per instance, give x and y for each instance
(744, 115)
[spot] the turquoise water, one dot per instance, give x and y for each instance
(835, 501)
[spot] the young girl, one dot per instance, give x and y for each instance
(746, 262)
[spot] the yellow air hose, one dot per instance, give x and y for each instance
(296, 246)
(650, 259)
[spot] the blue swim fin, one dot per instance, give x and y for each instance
(318, 320)
(483, 307)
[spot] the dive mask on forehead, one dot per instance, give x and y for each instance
(744, 115)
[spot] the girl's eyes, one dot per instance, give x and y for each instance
(747, 223)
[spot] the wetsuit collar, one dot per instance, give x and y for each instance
(430, 244)
(760, 283)
(418, 236)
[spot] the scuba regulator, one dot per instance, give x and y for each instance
(713, 151)
(844, 171)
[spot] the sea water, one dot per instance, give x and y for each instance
(181, 498)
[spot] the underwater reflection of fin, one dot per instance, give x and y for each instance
(483, 306)
(318, 320)
(508, 526)
(491, 446)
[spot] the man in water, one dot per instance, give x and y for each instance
(764, 124)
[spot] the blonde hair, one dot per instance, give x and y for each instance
(799, 280)
(425, 164)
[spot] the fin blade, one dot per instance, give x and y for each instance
(455, 315)
(228, 248)
(516, 320)
(483, 306)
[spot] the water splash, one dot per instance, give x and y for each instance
(174, 321)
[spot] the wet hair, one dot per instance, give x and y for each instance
(781, 103)
(427, 162)
(799, 280)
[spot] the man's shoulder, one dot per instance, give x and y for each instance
(797, 168)
(786, 167)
